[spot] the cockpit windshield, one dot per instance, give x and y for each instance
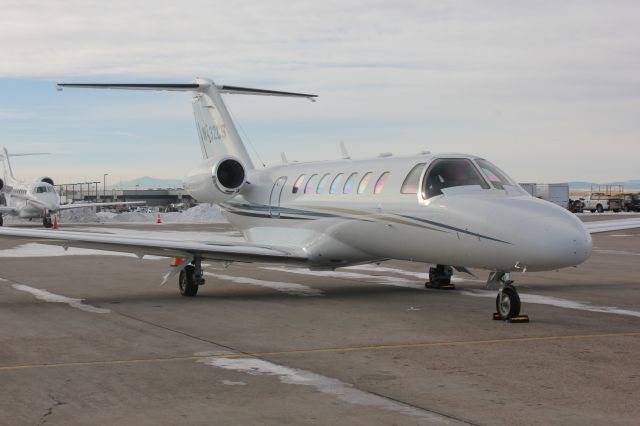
(450, 172)
(41, 189)
(493, 174)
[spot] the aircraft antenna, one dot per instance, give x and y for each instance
(246, 136)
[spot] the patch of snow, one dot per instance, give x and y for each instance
(343, 391)
(56, 298)
(289, 288)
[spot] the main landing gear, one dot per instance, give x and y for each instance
(1, 220)
(440, 277)
(191, 277)
(508, 299)
(46, 221)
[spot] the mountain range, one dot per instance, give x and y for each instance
(148, 182)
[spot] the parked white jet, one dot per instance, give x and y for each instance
(33, 199)
(449, 210)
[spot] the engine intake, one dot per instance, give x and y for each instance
(229, 174)
(216, 180)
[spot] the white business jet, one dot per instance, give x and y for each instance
(36, 199)
(454, 211)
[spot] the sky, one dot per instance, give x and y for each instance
(548, 90)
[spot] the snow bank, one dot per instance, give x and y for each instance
(202, 213)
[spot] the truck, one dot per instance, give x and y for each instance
(630, 202)
(599, 202)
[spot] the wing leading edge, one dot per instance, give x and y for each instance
(611, 225)
(162, 247)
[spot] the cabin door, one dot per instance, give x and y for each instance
(274, 198)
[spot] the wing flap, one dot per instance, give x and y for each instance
(161, 247)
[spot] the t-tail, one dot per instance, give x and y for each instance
(7, 172)
(217, 132)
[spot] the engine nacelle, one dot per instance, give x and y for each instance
(46, 179)
(216, 180)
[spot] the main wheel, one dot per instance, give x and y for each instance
(599, 208)
(1, 221)
(186, 282)
(508, 303)
(46, 221)
(439, 276)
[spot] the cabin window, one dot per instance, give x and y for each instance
(297, 184)
(310, 184)
(349, 183)
(364, 182)
(336, 182)
(412, 181)
(322, 183)
(380, 183)
(450, 172)
(493, 174)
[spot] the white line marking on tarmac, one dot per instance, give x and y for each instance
(47, 250)
(56, 298)
(289, 288)
(557, 302)
(344, 391)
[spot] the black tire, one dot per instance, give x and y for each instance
(592, 211)
(439, 276)
(186, 282)
(599, 208)
(1, 221)
(47, 222)
(509, 306)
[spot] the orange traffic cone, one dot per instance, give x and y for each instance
(56, 225)
(176, 261)
(158, 219)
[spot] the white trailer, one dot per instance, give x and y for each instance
(556, 193)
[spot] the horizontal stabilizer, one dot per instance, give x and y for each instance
(183, 88)
(126, 86)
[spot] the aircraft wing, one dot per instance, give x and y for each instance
(81, 205)
(611, 225)
(211, 250)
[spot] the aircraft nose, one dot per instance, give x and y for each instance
(560, 240)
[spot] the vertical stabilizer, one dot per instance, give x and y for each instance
(216, 130)
(7, 172)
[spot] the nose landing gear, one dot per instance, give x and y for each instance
(46, 221)
(508, 299)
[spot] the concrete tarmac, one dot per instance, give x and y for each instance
(89, 338)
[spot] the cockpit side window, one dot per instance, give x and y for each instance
(493, 174)
(411, 182)
(450, 172)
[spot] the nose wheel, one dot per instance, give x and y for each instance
(508, 301)
(47, 222)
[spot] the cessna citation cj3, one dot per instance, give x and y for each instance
(35, 199)
(454, 211)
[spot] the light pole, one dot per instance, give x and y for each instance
(104, 186)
